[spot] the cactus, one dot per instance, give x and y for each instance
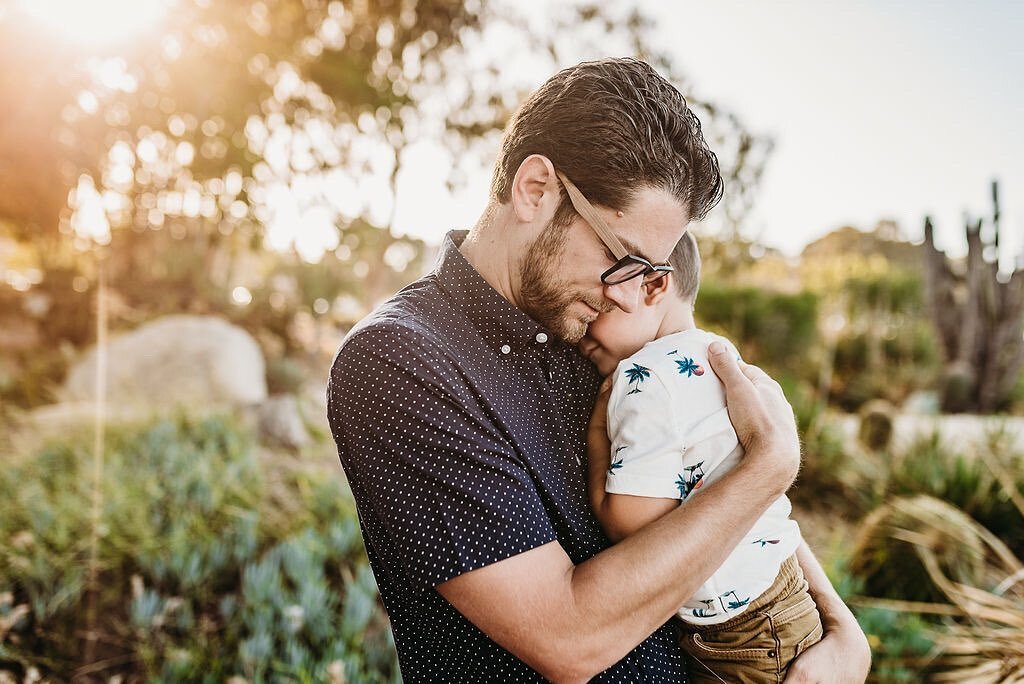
(979, 316)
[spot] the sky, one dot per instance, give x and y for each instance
(878, 110)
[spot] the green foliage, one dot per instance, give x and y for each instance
(1015, 402)
(890, 290)
(210, 565)
(961, 478)
(830, 478)
(285, 376)
(900, 642)
(887, 365)
(884, 559)
(772, 328)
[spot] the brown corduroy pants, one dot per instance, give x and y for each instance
(757, 646)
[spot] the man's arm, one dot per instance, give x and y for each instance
(843, 653)
(571, 622)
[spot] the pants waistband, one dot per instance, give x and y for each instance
(789, 581)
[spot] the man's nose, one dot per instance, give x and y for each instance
(625, 295)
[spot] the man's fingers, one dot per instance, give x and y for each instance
(755, 374)
(726, 366)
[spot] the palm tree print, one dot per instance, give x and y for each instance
(736, 601)
(687, 366)
(683, 486)
(765, 542)
(707, 611)
(690, 479)
(637, 374)
(616, 462)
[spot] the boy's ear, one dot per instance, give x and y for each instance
(654, 292)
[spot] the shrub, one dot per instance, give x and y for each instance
(212, 564)
(830, 477)
(962, 478)
(767, 327)
(900, 642)
(978, 582)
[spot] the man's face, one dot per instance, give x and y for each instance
(560, 274)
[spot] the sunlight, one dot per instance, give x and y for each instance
(96, 22)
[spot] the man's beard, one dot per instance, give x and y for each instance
(543, 294)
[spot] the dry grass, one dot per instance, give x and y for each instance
(982, 638)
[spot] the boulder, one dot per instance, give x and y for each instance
(178, 359)
(280, 422)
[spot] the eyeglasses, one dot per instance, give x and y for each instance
(628, 266)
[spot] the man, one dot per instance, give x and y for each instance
(460, 410)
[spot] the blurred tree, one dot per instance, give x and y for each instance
(228, 107)
(227, 128)
(979, 315)
(876, 334)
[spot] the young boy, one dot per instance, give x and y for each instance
(670, 435)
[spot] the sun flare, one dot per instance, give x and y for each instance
(97, 22)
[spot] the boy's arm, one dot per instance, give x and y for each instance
(620, 515)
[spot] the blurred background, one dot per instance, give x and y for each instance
(198, 199)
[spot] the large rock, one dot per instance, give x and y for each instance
(176, 360)
(280, 422)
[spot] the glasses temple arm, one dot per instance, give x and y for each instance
(590, 215)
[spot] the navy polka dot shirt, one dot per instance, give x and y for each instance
(460, 424)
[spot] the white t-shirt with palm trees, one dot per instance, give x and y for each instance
(671, 435)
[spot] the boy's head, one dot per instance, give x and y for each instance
(666, 306)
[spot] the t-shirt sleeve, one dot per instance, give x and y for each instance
(425, 461)
(646, 449)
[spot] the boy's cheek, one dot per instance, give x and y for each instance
(598, 355)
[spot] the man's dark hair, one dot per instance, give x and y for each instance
(685, 262)
(611, 126)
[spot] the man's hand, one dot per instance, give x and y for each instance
(839, 658)
(759, 412)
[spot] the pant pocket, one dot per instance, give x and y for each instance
(743, 654)
(796, 625)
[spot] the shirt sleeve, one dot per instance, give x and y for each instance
(424, 460)
(646, 457)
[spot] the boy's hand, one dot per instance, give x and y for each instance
(760, 414)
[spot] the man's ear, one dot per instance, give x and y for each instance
(535, 188)
(654, 292)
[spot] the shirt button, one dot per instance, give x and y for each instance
(542, 337)
(505, 349)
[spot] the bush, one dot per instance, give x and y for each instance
(210, 564)
(900, 642)
(904, 362)
(767, 327)
(963, 479)
(830, 477)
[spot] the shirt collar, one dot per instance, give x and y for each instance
(504, 327)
